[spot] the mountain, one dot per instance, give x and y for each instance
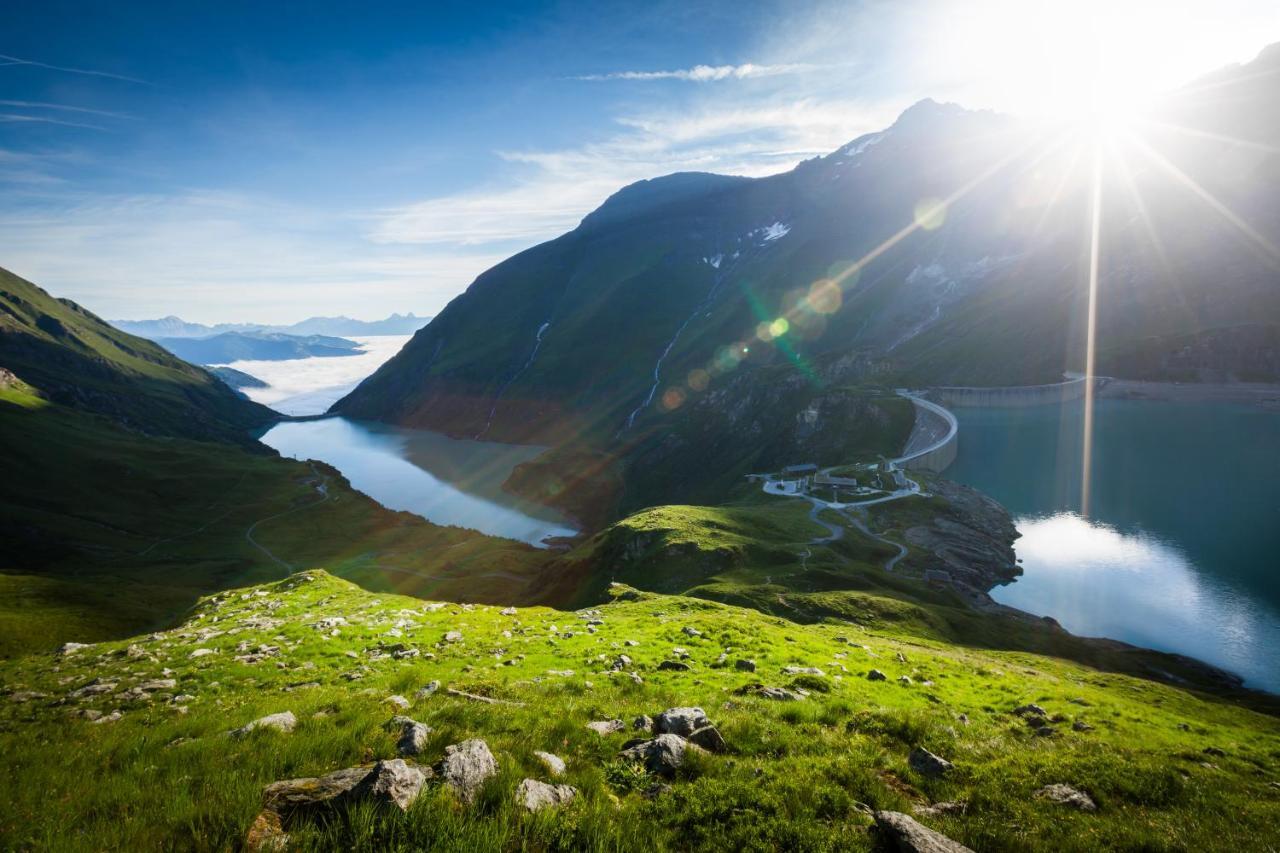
(257, 346)
(951, 248)
(175, 327)
(74, 359)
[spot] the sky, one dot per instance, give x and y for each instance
(266, 162)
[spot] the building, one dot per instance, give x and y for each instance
(800, 470)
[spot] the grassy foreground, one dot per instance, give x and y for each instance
(797, 775)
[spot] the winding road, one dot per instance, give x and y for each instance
(322, 488)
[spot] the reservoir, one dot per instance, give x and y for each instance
(1181, 550)
(446, 481)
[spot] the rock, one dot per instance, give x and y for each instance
(535, 795)
(943, 808)
(93, 688)
(691, 632)
(673, 666)
(430, 689)
(453, 637)
(904, 680)
(1044, 731)
(109, 718)
(199, 653)
(621, 662)
(158, 684)
(709, 738)
(630, 643)
(777, 694)
(466, 766)
(606, 727)
(398, 701)
(926, 763)
(744, 665)
(507, 611)
(802, 670)
(1035, 710)
(283, 722)
(292, 796)
(663, 754)
(391, 781)
(265, 834)
(901, 657)
(555, 764)
(413, 736)
(876, 675)
(681, 721)
(1081, 726)
(71, 648)
(1215, 751)
(642, 723)
(1067, 796)
(905, 835)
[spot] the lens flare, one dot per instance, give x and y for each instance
(825, 296)
(931, 213)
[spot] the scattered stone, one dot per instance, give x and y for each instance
(621, 662)
(283, 722)
(1067, 796)
(802, 670)
(1081, 726)
(265, 834)
(926, 763)
(1215, 751)
(876, 675)
(199, 653)
(744, 665)
(682, 721)
(398, 701)
(535, 795)
(466, 766)
(904, 680)
(908, 836)
(630, 643)
(691, 632)
(93, 688)
(109, 718)
(413, 736)
(158, 684)
(561, 673)
(71, 648)
(777, 694)
(901, 657)
(1045, 731)
(507, 611)
(642, 723)
(663, 754)
(555, 764)
(293, 796)
(673, 666)
(488, 700)
(453, 637)
(429, 690)
(709, 738)
(944, 808)
(607, 727)
(1030, 710)
(391, 781)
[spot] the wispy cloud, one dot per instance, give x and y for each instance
(17, 118)
(43, 105)
(705, 73)
(13, 60)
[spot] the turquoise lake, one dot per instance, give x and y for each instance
(1181, 550)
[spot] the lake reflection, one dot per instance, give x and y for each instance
(447, 481)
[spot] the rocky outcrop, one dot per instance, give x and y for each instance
(905, 835)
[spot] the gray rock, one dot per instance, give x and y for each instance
(507, 611)
(802, 670)
(682, 721)
(877, 675)
(93, 688)
(673, 666)
(663, 754)
(71, 648)
(643, 723)
(709, 738)
(621, 662)
(413, 737)
(555, 764)
(291, 796)
(926, 763)
(905, 835)
(284, 722)
(607, 727)
(265, 834)
(776, 694)
(398, 701)
(535, 795)
(744, 665)
(943, 808)
(391, 781)
(466, 766)
(453, 637)
(1067, 796)
(430, 689)
(1030, 710)
(1081, 726)
(158, 684)
(691, 632)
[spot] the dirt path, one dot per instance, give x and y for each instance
(858, 523)
(322, 489)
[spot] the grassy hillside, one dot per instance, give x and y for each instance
(105, 532)
(74, 358)
(1168, 770)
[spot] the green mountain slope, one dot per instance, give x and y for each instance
(77, 360)
(147, 721)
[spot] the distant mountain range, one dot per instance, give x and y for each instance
(257, 346)
(176, 327)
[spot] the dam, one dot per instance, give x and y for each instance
(1015, 396)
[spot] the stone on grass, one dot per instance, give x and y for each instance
(709, 738)
(802, 670)
(682, 721)
(71, 648)
(905, 835)
(284, 722)
(663, 754)
(424, 692)
(413, 736)
(1030, 710)
(642, 723)
(398, 701)
(744, 665)
(926, 763)
(292, 796)
(555, 764)
(692, 632)
(265, 834)
(876, 675)
(1067, 796)
(673, 666)
(199, 653)
(391, 781)
(535, 795)
(606, 727)
(466, 766)
(507, 611)
(453, 637)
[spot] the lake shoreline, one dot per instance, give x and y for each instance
(1263, 394)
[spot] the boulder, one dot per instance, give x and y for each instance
(744, 665)
(453, 637)
(535, 795)
(398, 701)
(621, 662)
(709, 738)
(265, 834)
(292, 796)
(391, 781)
(905, 835)
(466, 766)
(1067, 796)
(681, 721)
(673, 666)
(802, 670)
(663, 754)
(71, 648)
(413, 737)
(284, 722)
(555, 764)
(926, 763)
(643, 723)
(876, 675)
(1030, 710)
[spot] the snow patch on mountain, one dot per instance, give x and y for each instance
(714, 260)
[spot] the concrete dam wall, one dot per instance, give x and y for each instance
(934, 438)
(1015, 396)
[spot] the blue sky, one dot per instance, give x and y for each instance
(271, 161)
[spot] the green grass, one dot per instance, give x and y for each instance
(795, 776)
